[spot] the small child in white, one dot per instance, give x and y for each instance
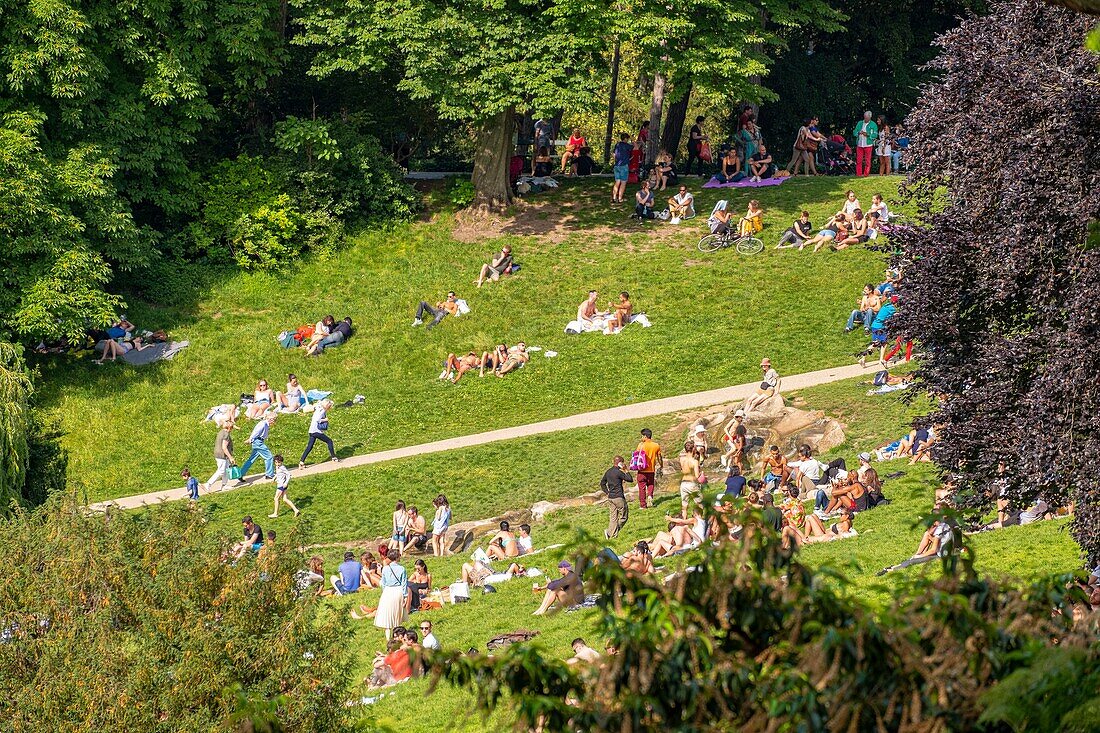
(282, 483)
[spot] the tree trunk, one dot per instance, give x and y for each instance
(611, 104)
(674, 123)
(655, 117)
(492, 161)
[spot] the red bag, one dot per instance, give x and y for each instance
(704, 153)
(304, 333)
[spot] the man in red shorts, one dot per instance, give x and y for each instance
(647, 479)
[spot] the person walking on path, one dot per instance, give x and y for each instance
(192, 484)
(282, 483)
(318, 425)
(395, 587)
(258, 441)
(223, 454)
(654, 460)
(612, 485)
(866, 135)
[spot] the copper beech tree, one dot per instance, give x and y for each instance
(1003, 269)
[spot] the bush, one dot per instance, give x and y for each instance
(232, 189)
(461, 192)
(266, 237)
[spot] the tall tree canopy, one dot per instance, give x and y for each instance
(1001, 278)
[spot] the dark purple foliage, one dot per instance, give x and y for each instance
(1002, 287)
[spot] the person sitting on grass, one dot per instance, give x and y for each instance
(417, 531)
(294, 398)
(753, 220)
(442, 309)
(768, 388)
(456, 366)
(565, 591)
(620, 313)
(587, 312)
(797, 234)
(420, 584)
(493, 360)
(719, 221)
(857, 232)
(684, 533)
(643, 203)
(794, 513)
(517, 356)
(583, 653)
(639, 560)
(541, 165)
(760, 164)
(853, 491)
(500, 264)
(663, 168)
(262, 400)
(321, 329)
(371, 574)
(731, 167)
(836, 227)
(681, 205)
(869, 304)
(851, 203)
(349, 575)
(878, 206)
(341, 332)
(504, 544)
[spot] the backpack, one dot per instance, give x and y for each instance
(639, 461)
(881, 377)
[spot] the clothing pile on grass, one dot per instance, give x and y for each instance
(602, 324)
(527, 185)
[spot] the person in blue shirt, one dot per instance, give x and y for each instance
(735, 483)
(258, 441)
(192, 484)
(392, 606)
(349, 574)
(621, 169)
(887, 288)
(878, 326)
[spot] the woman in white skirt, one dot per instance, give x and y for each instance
(395, 587)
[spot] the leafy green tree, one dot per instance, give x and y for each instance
(15, 392)
(752, 640)
(136, 622)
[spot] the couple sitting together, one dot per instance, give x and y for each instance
(499, 361)
(751, 223)
(506, 546)
(618, 315)
(119, 339)
(680, 206)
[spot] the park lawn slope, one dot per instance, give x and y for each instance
(130, 430)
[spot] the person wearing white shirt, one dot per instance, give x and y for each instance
(524, 540)
(428, 641)
(282, 483)
(681, 205)
(318, 425)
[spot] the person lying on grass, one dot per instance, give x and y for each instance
(936, 539)
(639, 560)
(442, 309)
(322, 328)
(341, 332)
(477, 571)
(500, 264)
(517, 357)
(112, 348)
(565, 591)
(835, 228)
(493, 360)
(456, 366)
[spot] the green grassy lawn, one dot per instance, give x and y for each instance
(129, 430)
(487, 480)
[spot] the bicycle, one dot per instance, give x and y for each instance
(745, 244)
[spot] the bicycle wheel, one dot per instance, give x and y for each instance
(712, 243)
(749, 245)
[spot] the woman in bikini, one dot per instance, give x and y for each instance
(507, 546)
(294, 399)
(682, 534)
(494, 360)
(857, 232)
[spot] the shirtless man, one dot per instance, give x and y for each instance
(623, 312)
(586, 311)
(689, 486)
(417, 530)
(493, 360)
(775, 469)
(517, 355)
(456, 366)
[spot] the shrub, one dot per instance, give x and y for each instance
(232, 189)
(461, 191)
(265, 238)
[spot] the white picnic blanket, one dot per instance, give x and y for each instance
(599, 324)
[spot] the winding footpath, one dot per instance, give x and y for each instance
(649, 408)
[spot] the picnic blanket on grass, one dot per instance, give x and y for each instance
(599, 324)
(744, 183)
(156, 352)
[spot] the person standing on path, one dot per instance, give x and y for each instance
(654, 460)
(282, 483)
(612, 485)
(258, 441)
(866, 135)
(395, 587)
(192, 484)
(696, 138)
(318, 424)
(223, 454)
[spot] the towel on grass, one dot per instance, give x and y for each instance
(744, 183)
(155, 352)
(599, 324)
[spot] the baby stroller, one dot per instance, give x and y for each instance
(833, 158)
